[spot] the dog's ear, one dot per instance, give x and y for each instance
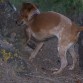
(37, 5)
(28, 6)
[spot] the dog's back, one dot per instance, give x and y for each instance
(51, 23)
(49, 20)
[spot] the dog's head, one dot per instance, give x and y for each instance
(26, 12)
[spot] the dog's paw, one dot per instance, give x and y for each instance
(71, 67)
(56, 72)
(31, 59)
(54, 69)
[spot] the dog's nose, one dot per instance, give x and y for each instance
(16, 21)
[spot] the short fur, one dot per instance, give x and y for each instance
(48, 24)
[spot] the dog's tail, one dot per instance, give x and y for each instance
(80, 28)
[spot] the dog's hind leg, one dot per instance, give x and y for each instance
(74, 56)
(62, 55)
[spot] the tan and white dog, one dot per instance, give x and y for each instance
(48, 24)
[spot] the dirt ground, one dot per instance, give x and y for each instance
(18, 69)
(15, 66)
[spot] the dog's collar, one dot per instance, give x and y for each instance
(34, 13)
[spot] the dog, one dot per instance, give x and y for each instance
(49, 24)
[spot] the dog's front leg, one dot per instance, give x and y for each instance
(35, 51)
(28, 35)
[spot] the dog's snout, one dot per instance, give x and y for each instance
(19, 23)
(16, 21)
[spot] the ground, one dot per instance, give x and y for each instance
(15, 66)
